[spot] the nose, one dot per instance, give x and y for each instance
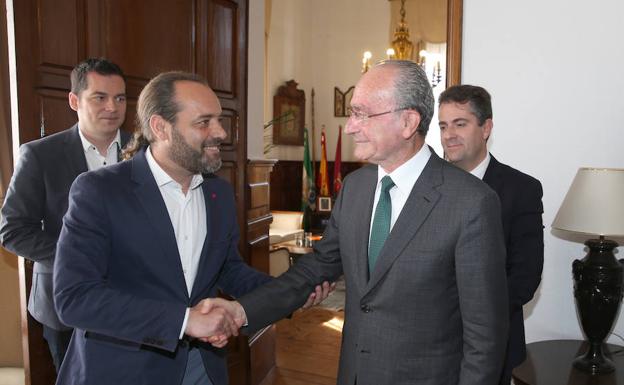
(447, 133)
(350, 127)
(219, 131)
(111, 104)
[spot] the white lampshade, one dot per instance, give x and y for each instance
(594, 203)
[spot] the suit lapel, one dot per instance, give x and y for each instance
(493, 176)
(421, 201)
(362, 230)
(74, 153)
(152, 203)
(207, 266)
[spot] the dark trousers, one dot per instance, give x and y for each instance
(58, 341)
(195, 373)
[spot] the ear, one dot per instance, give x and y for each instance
(487, 129)
(73, 101)
(158, 125)
(410, 121)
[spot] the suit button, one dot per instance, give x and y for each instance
(365, 308)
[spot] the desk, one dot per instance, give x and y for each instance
(550, 363)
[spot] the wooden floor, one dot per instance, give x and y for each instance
(308, 346)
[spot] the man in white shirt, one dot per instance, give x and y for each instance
(37, 196)
(465, 126)
(147, 243)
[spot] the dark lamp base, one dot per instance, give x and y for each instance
(594, 362)
(598, 284)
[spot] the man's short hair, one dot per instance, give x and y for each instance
(98, 65)
(478, 99)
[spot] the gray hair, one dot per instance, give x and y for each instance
(412, 90)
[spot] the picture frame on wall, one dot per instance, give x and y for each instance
(324, 204)
(289, 115)
(342, 101)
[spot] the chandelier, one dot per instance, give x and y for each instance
(403, 49)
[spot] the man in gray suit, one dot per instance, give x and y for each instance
(37, 196)
(420, 244)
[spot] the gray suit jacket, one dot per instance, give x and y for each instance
(33, 210)
(434, 310)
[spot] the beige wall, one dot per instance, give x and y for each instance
(554, 111)
(320, 44)
(10, 341)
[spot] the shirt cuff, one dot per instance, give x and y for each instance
(186, 315)
(244, 314)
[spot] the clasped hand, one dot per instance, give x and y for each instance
(214, 320)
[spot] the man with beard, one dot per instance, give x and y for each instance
(147, 243)
(37, 197)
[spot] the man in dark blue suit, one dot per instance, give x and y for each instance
(146, 245)
(465, 125)
(37, 196)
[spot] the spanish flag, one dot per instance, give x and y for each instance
(323, 178)
(337, 161)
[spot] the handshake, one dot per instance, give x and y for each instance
(214, 320)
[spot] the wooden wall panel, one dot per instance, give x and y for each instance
(55, 112)
(222, 43)
(58, 23)
(144, 37)
(286, 182)
(229, 122)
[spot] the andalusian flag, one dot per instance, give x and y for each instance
(323, 178)
(308, 190)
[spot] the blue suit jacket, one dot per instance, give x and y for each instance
(521, 208)
(118, 279)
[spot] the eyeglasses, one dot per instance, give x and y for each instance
(360, 116)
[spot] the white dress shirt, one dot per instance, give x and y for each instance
(95, 160)
(188, 218)
(479, 171)
(404, 178)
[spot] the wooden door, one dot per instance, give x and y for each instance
(144, 38)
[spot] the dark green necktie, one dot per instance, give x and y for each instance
(381, 222)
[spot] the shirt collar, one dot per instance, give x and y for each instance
(86, 144)
(162, 178)
(479, 171)
(405, 176)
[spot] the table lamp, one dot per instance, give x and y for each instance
(594, 206)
